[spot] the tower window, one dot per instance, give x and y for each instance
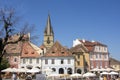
(48, 40)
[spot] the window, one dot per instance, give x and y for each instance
(78, 62)
(91, 64)
(62, 61)
(97, 64)
(99, 48)
(101, 64)
(105, 64)
(96, 48)
(46, 61)
(105, 56)
(100, 56)
(78, 56)
(24, 61)
(69, 61)
(105, 49)
(30, 61)
(15, 59)
(91, 55)
(53, 61)
(96, 55)
(37, 60)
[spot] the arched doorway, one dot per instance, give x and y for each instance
(61, 71)
(79, 71)
(69, 71)
(53, 69)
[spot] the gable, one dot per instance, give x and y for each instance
(29, 51)
(57, 50)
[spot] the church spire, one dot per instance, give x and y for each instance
(48, 34)
(48, 29)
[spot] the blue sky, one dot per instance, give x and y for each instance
(97, 20)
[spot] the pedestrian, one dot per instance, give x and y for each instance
(14, 76)
(29, 77)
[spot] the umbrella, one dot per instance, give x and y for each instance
(22, 70)
(102, 69)
(76, 75)
(95, 69)
(33, 70)
(88, 74)
(10, 70)
(113, 73)
(53, 76)
(7, 70)
(104, 73)
(109, 69)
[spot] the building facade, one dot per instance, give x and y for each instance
(30, 56)
(58, 59)
(115, 64)
(81, 55)
(13, 51)
(98, 54)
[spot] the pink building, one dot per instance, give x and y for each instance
(98, 53)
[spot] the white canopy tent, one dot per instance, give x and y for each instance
(104, 73)
(76, 75)
(95, 69)
(89, 74)
(7, 70)
(113, 73)
(33, 70)
(109, 69)
(15, 70)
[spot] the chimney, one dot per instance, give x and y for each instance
(83, 40)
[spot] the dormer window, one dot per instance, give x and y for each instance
(26, 52)
(53, 52)
(32, 53)
(48, 40)
(62, 52)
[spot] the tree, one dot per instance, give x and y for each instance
(7, 23)
(4, 64)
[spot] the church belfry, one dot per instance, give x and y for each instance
(48, 34)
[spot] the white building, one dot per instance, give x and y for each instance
(58, 59)
(30, 56)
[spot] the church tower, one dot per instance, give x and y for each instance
(48, 34)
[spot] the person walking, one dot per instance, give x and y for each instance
(14, 76)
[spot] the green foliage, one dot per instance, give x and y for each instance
(4, 64)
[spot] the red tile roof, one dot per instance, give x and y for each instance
(79, 48)
(57, 50)
(29, 51)
(42, 46)
(90, 45)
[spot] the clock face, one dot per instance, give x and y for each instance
(48, 40)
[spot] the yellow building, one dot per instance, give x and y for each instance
(81, 55)
(115, 64)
